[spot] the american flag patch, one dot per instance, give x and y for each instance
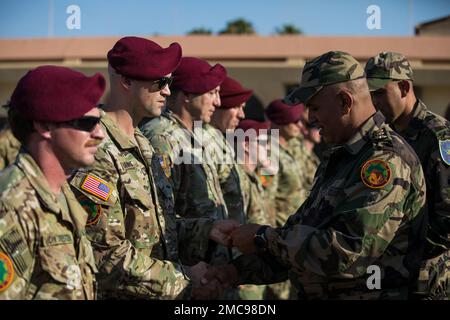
(97, 187)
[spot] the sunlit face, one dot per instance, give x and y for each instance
(76, 148)
(147, 98)
(228, 118)
(289, 131)
(388, 100)
(201, 107)
(325, 111)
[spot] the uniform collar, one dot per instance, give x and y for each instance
(117, 134)
(38, 181)
(364, 133)
(416, 122)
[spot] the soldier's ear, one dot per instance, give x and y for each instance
(405, 87)
(125, 82)
(43, 129)
(346, 101)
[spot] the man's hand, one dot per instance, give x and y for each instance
(222, 230)
(243, 236)
(197, 272)
(226, 275)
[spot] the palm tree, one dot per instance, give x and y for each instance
(200, 31)
(288, 29)
(238, 26)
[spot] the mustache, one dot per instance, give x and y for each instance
(93, 143)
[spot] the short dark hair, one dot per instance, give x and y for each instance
(21, 127)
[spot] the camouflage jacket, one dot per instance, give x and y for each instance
(308, 160)
(254, 204)
(222, 156)
(287, 186)
(44, 251)
(9, 148)
(132, 225)
(193, 177)
(367, 207)
(429, 135)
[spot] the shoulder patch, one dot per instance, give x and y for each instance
(444, 149)
(94, 210)
(6, 272)
(376, 173)
(97, 187)
(165, 164)
(265, 180)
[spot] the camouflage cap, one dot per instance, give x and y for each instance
(386, 67)
(329, 68)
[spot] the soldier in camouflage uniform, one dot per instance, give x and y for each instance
(44, 251)
(303, 149)
(287, 188)
(390, 79)
(132, 224)
(367, 205)
(181, 146)
(225, 119)
(9, 147)
(253, 191)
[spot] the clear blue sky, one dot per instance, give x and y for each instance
(43, 18)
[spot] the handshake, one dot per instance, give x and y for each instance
(209, 282)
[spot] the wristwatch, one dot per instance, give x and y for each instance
(260, 239)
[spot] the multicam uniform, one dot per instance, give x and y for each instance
(195, 183)
(44, 251)
(9, 148)
(132, 224)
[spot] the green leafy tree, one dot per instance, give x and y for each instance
(238, 26)
(288, 29)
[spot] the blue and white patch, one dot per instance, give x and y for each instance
(444, 148)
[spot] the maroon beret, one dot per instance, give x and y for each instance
(143, 59)
(196, 76)
(282, 114)
(247, 124)
(232, 93)
(56, 94)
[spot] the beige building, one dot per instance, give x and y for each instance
(268, 64)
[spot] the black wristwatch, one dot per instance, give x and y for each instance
(260, 239)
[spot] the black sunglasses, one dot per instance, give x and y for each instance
(163, 82)
(86, 123)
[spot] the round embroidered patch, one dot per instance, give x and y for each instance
(93, 210)
(265, 180)
(6, 272)
(375, 173)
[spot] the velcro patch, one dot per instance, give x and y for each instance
(376, 173)
(6, 272)
(93, 210)
(444, 148)
(58, 239)
(97, 187)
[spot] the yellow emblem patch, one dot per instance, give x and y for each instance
(376, 173)
(165, 164)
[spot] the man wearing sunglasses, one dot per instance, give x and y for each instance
(178, 138)
(132, 223)
(44, 252)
